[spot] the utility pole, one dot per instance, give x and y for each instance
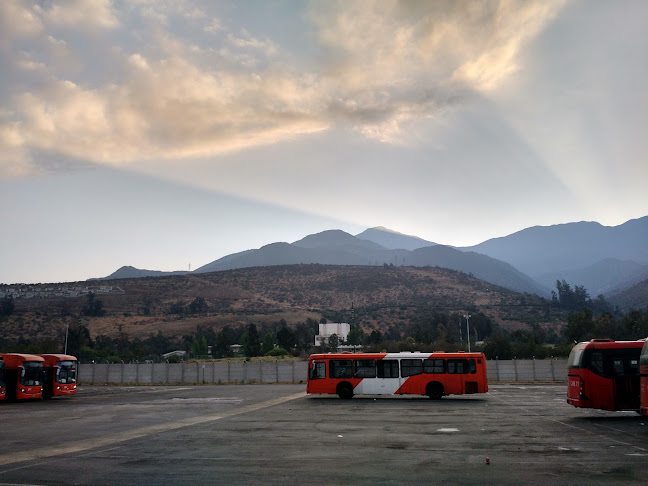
(352, 326)
(468, 316)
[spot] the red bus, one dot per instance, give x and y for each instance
(604, 374)
(643, 373)
(59, 375)
(3, 387)
(432, 374)
(24, 374)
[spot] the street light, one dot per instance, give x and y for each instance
(468, 316)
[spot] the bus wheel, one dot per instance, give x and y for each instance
(345, 390)
(434, 390)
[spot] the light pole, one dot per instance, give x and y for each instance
(67, 328)
(468, 316)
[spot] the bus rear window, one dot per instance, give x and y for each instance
(576, 357)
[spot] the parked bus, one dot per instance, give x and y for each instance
(432, 374)
(643, 373)
(59, 375)
(604, 374)
(3, 387)
(23, 376)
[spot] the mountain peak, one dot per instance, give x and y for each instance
(393, 240)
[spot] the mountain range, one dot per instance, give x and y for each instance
(605, 260)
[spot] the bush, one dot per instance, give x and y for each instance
(277, 352)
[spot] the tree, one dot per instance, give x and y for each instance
(7, 306)
(250, 341)
(199, 347)
(198, 306)
(93, 307)
(286, 338)
(268, 343)
(498, 346)
(333, 342)
(224, 340)
(355, 337)
(580, 326)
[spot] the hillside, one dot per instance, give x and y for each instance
(382, 297)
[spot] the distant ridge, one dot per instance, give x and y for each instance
(603, 259)
(132, 272)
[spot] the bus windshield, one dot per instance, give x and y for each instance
(2, 374)
(31, 373)
(66, 372)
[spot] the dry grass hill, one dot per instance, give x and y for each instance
(380, 297)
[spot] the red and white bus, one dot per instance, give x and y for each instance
(643, 378)
(3, 386)
(432, 374)
(24, 374)
(604, 374)
(59, 375)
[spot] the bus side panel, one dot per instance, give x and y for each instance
(643, 393)
(378, 386)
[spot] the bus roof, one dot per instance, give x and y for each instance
(21, 357)
(59, 357)
(406, 354)
(610, 344)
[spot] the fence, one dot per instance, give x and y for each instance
(280, 372)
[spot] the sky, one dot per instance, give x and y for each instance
(167, 134)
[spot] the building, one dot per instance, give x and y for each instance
(341, 329)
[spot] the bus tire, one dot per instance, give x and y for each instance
(434, 390)
(345, 390)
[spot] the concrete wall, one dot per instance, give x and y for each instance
(554, 370)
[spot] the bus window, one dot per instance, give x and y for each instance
(434, 366)
(457, 366)
(387, 368)
(410, 367)
(318, 371)
(473, 366)
(340, 368)
(364, 368)
(597, 364)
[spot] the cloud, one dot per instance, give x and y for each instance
(171, 94)
(81, 14)
(17, 21)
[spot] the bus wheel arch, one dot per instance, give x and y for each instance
(344, 390)
(434, 390)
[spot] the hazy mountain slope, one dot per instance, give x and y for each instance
(482, 267)
(542, 250)
(603, 277)
(635, 297)
(393, 239)
(336, 247)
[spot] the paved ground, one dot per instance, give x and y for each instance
(275, 434)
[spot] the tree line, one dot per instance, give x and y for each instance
(427, 330)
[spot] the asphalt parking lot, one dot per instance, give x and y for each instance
(275, 434)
